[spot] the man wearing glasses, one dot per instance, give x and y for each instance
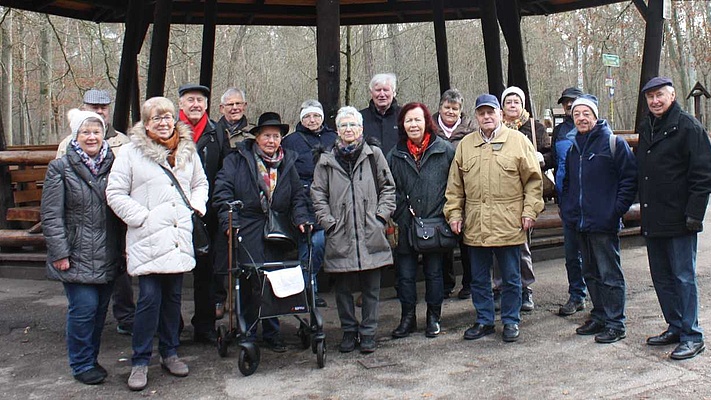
(234, 123)
(193, 104)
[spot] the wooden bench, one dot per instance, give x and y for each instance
(26, 168)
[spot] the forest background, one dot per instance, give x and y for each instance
(48, 62)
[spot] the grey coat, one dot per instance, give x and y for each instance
(352, 212)
(77, 223)
(424, 185)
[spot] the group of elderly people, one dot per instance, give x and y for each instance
(382, 166)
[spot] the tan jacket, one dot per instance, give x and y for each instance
(497, 183)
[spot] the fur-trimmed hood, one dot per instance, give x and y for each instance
(158, 153)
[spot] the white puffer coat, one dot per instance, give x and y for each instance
(159, 236)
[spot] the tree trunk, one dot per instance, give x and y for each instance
(367, 52)
(349, 69)
(6, 90)
(45, 100)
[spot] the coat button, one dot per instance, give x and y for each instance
(649, 151)
(645, 205)
(175, 225)
(176, 245)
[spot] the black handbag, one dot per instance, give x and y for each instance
(279, 229)
(201, 237)
(430, 235)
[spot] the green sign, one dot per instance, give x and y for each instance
(610, 60)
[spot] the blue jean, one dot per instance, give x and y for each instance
(482, 259)
(573, 264)
(672, 264)
(407, 278)
(603, 274)
(86, 314)
(157, 310)
(319, 244)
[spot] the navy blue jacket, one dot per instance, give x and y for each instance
(306, 144)
(598, 187)
(674, 172)
(559, 150)
(237, 180)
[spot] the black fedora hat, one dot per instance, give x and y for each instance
(270, 119)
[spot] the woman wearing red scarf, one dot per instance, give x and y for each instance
(420, 167)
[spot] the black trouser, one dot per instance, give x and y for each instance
(450, 280)
(203, 283)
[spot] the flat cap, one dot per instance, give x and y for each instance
(570, 93)
(95, 96)
(487, 100)
(656, 83)
(194, 87)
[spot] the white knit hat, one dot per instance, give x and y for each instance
(587, 100)
(77, 117)
(513, 90)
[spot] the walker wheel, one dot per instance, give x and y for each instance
(247, 365)
(222, 341)
(321, 353)
(304, 336)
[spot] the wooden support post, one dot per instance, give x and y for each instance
(159, 48)
(492, 47)
(508, 13)
(328, 56)
(133, 37)
(208, 44)
(440, 31)
(651, 55)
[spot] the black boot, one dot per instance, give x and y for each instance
(433, 316)
(408, 322)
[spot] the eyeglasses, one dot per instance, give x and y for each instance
(312, 116)
(164, 118)
(346, 125)
(235, 104)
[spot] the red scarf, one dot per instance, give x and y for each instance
(197, 129)
(418, 150)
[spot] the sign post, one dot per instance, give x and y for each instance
(610, 61)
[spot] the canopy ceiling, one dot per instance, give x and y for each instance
(291, 12)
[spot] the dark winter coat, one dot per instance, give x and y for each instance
(674, 172)
(424, 185)
(382, 127)
(210, 148)
(78, 224)
(464, 128)
(599, 187)
(306, 143)
(559, 150)
(238, 181)
(351, 207)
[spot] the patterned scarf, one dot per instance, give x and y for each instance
(346, 149)
(518, 122)
(447, 130)
(267, 169)
(171, 144)
(417, 150)
(94, 164)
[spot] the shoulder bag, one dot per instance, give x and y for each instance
(430, 235)
(201, 237)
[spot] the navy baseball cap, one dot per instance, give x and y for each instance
(656, 83)
(487, 100)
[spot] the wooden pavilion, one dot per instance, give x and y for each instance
(327, 15)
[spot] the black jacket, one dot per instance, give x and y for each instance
(211, 151)
(238, 181)
(674, 158)
(382, 127)
(425, 186)
(77, 222)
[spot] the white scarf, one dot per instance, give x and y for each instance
(448, 131)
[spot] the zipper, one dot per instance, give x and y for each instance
(355, 224)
